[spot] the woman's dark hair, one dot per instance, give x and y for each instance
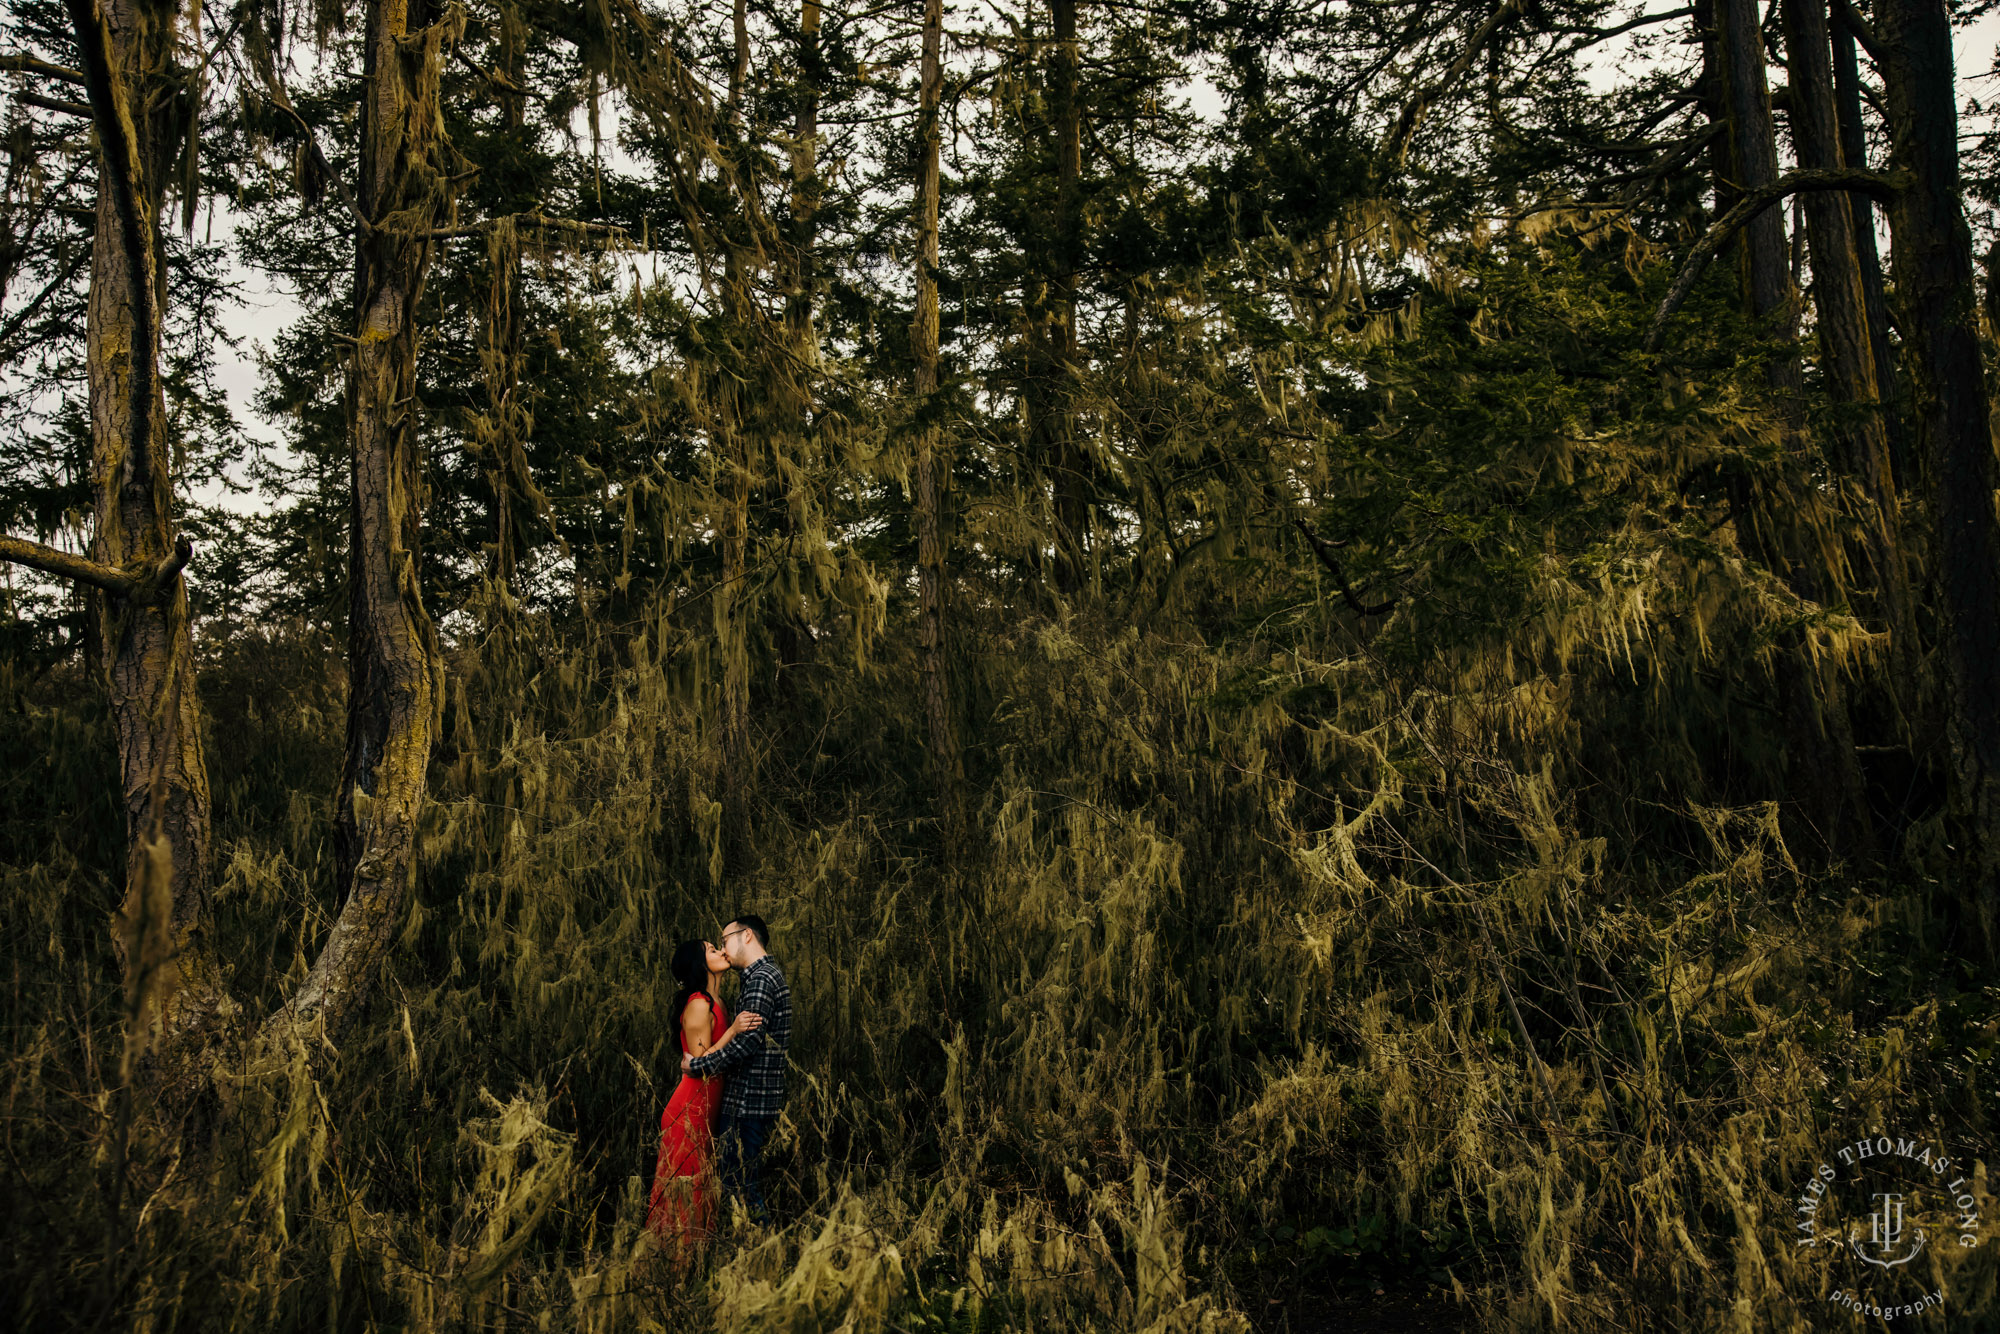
(691, 971)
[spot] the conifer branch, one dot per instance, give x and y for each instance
(1872, 183)
(28, 312)
(492, 76)
(1593, 35)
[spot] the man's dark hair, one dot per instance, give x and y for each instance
(756, 925)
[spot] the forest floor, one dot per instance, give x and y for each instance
(1309, 1311)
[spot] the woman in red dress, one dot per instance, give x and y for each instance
(681, 1213)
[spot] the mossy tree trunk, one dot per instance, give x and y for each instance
(141, 114)
(734, 604)
(394, 666)
(505, 440)
(1854, 151)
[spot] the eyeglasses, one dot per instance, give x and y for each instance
(737, 932)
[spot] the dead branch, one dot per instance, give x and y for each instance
(53, 104)
(1324, 550)
(1874, 184)
(143, 585)
(519, 220)
(29, 65)
(1397, 142)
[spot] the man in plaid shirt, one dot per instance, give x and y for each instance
(755, 1063)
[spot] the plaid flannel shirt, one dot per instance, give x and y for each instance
(755, 1061)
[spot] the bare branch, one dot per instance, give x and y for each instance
(53, 104)
(30, 65)
(1398, 140)
(1874, 184)
(1850, 18)
(1324, 550)
(63, 565)
(134, 585)
(519, 220)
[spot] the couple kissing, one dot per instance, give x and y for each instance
(732, 1087)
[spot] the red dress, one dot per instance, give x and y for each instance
(682, 1208)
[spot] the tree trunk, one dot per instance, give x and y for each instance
(1825, 769)
(1846, 348)
(793, 645)
(732, 631)
(1854, 149)
(505, 438)
(930, 468)
(395, 673)
(805, 171)
(733, 607)
(1071, 492)
(1949, 410)
(1753, 161)
(147, 655)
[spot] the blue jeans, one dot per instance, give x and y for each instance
(740, 1142)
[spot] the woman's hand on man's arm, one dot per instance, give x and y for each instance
(746, 1021)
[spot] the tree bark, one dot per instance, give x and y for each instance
(148, 659)
(1847, 351)
(1949, 410)
(931, 469)
(805, 171)
(732, 631)
(1753, 159)
(395, 673)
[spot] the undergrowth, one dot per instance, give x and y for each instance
(1214, 999)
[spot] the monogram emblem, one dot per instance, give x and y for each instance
(1886, 1246)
